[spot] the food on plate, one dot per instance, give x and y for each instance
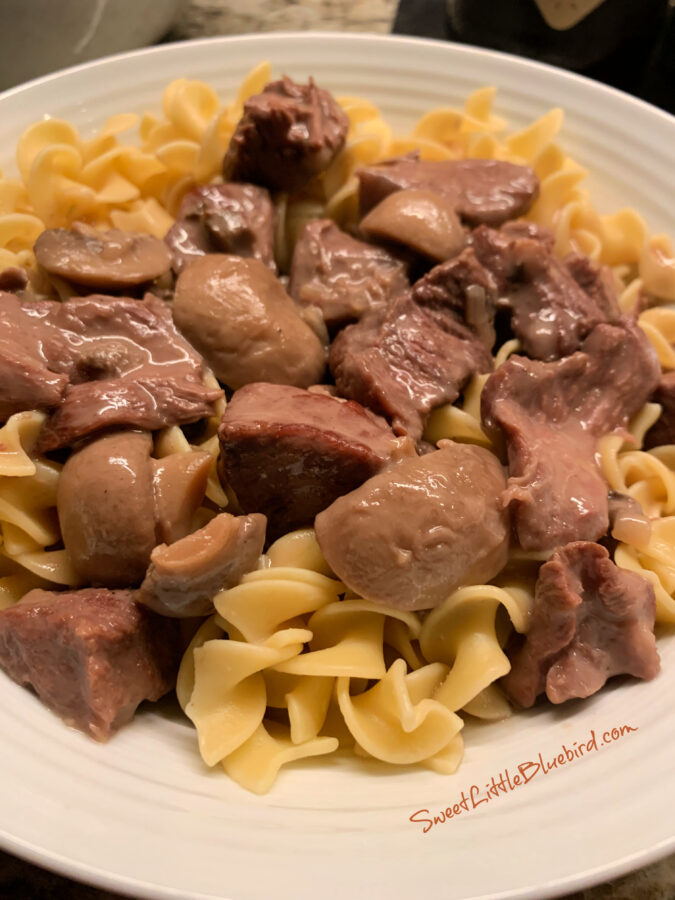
(365, 413)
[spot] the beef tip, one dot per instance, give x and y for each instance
(126, 366)
(627, 521)
(464, 288)
(343, 277)
(106, 512)
(590, 621)
(663, 430)
(551, 415)
(288, 453)
(184, 577)
(115, 504)
(27, 342)
(223, 218)
(288, 133)
(91, 656)
(413, 533)
(480, 190)
(111, 260)
(553, 304)
(403, 361)
(237, 313)
(597, 281)
(422, 220)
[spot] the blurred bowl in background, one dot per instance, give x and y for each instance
(41, 36)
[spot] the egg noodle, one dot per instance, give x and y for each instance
(307, 666)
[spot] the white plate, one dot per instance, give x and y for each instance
(142, 815)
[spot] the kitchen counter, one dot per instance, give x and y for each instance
(203, 18)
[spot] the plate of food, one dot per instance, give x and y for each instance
(337, 472)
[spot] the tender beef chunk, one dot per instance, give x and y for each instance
(551, 415)
(28, 341)
(184, 577)
(553, 304)
(343, 277)
(237, 313)
(289, 453)
(98, 362)
(91, 656)
(597, 281)
(115, 504)
(464, 288)
(223, 218)
(288, 133)
(424, 221)
(412, 534)
(590, 621)
(481, 190)
(663, 430)
(111, 260)
(402, 361)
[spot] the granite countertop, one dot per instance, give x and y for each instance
(203, 18)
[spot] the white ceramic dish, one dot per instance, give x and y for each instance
(143, 816)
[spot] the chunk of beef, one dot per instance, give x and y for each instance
(288, 453)
(184, 577)
(553, 304)
(423, 221)
(13, 279)
(223, 218)
(403, 361)
(663, 430)
(551, 415)
(115, 504)
(288, 133)
(98, 362)
(412, 534)
(494, 248)
(463, 288)
(342, 276)
(481, 190)
(91, 656)
(237, 313)
(590, 621)
(111, 260)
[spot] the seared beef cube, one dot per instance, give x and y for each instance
(413, 533)
(663, 430)
(223, 218)
(481, 190)
(126, 363)
(463, 288)
(590, 621)
(342, 276)
(551, 311)
(184, 577)
(551, 415)
(288, 453)
(403, 361)
(494, 248)
(112, 260)
(288, 133)
(91, 656)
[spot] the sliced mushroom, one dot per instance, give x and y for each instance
(236, 313)
(180, 484)
(110, 260)
(184, 577)
(106, 509)
(422, 220)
